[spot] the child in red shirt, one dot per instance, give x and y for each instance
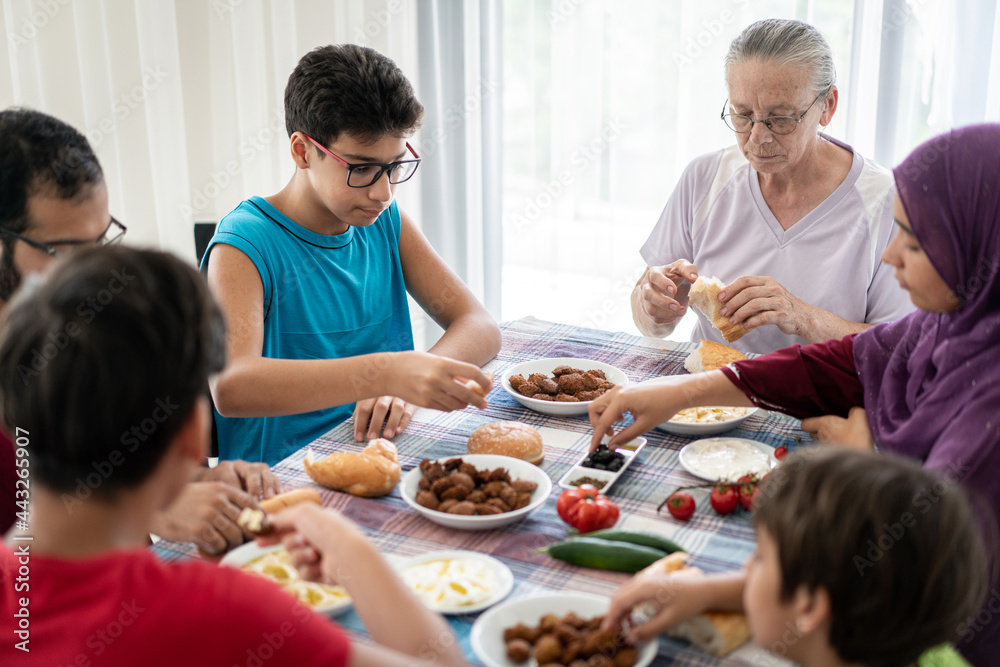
(77, 586)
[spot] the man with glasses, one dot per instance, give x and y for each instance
(791, 219)
(316, 277)
(53, 199)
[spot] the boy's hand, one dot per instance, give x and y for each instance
(672, 597)
(436, 382)
(372, 413)
(254, 478)
(317, 540)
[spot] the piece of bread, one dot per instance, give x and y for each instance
(711, 356)
(289, 498)
(508, 439)
(715, 632)
(704, 296)
(474, 386)
(374, 471)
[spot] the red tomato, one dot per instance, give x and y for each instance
(779, 452)
(747, 491)
(585, 509)
(724, 498)
(680, 505)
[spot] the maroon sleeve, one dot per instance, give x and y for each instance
(809, 381)
(8, 477)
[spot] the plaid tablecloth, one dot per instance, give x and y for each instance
(715, 543)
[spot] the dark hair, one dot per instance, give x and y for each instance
(39, 152)
(102, 362)
(353, 89)
(895, 546)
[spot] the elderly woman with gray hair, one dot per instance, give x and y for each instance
(794, 221)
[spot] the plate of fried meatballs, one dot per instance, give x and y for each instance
(475, 491)
(558, 628)
(562, 386)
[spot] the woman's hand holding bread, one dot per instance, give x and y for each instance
(660, 298)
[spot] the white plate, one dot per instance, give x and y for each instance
(487, 632)
(501, 585)
(711, 428)
(629, 449)
(517, 468)
(546, 366)
(690, 463)
(242, 555)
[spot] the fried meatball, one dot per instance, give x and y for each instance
(457, 492)
(566, 398)
(463, 507)
(529, 389)
(549, 623)
(446, 505)
(518, 650)
(597, 373)
(524, 485)
(486, 508)
(543, 397)
(571, 651)
(626, 657)
(600, 641)
(476, 496)
(428, 499)
(563, 370)
(572, 383)
(589, 395)
(537, 378)
(548, 386)
(548, 649)
(590, 382)
(600, 660)
(463, 480)
(522, 500)
(516, 381)
(566, 634)
(529, 633)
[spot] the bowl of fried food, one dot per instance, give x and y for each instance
(563, 386)
(559, 628)
(475, 491)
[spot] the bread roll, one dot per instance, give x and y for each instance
(372, 472)
(289, 498)
(704, 296)
(711, 356)
(508, 439)
(715, 632)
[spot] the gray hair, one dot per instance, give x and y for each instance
(787, 42)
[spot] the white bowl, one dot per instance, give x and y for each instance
(709, 428)
(546, 366)
(689, 461)
(500, 579)
(517, 468)
(486, 636)
(242, 555)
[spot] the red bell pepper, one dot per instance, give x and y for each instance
(585, 509)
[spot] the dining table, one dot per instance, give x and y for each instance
(715, 543)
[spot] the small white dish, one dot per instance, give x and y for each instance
(493, 579)
(705, 428)
(628, 449)
(716, 459)
(546, 366)
(242, 555)
(517, 468)
(486, 636)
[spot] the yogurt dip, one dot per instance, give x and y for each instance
(725, 458)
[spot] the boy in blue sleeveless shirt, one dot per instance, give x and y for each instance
(313, 279)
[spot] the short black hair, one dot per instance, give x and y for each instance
(895, 546)
(353, 89)
(38, 153)
(101, 363)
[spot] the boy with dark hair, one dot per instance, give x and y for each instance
(860, 560)
(314, 279)
(53, 199)
(156, 343)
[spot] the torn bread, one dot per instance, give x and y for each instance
(715, 632)
(704, 296)
(711, 356)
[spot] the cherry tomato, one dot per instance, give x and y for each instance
(680, 505)
(585, 509)
(724, 498)
(779, 452)
(747, 491)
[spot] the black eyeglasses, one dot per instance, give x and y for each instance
(113, 233)
(776, 124)
(364, 174)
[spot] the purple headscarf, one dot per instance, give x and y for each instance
(931, 381)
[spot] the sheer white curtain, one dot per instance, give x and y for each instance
(605, 103)
(183, 103)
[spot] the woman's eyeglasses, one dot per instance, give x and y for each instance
(776, 124)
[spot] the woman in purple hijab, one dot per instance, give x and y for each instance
(926, 386)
